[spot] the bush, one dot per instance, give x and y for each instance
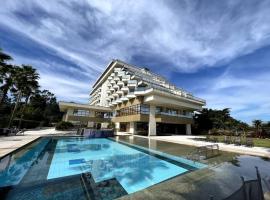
(63, 125)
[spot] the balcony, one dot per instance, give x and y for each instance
(120, 92)
(141, 90)
(118, 101)
(121, 74)
(130, 95)
(175, 92)
(126, 78)
(124, 98)
(115, 95)
(176, 115)
(120, 83)
(117, 69)
(125, 89)
(112, 82)
(116, 78)
(116, 87)
(132, 83)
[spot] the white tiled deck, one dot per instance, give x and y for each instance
(11, 143)
(189, 140)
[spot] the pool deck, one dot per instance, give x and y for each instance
(11, 143)
(189, 140)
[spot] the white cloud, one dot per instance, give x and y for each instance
(188, 34)
(66, 88)
(247, 97)
(191, 35)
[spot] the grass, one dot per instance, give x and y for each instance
(258, 142)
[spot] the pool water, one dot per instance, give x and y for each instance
(86, 169)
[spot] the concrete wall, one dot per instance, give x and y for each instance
(188, 129)
(132, 127)
(152, 121)
(103, 95)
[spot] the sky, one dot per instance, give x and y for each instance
(217, 50)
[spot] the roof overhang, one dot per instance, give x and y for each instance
(163, 99)
(64, 106)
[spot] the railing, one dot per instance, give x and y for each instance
(171, 91)
(175, 115)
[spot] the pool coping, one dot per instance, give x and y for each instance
(19, 148)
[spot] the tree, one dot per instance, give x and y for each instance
(266, 129)
(6, 75)
(257, 125)
(25, 84)
(32, 106)
(42, 107)
(208, 119)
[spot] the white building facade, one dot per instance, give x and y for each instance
(143, 102)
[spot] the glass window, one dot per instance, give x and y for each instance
(78, 112)
(145, 109)
(158, 110)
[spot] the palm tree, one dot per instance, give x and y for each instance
(26, 83)
(257, 124)
(6, 72)
(3, 58)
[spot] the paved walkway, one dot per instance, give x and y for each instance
(11, 143)
(189, 140)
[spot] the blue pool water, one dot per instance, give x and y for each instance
(98, 168)
(106, 159)
(18, 167)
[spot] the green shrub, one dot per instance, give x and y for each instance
(63, 125)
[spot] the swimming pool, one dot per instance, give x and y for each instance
(86, 169)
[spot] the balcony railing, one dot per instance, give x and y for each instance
(171, 91)
(175, 114)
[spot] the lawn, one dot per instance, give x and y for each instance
(258, 142)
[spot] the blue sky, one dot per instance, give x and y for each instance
(218, 50)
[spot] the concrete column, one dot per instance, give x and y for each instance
(152, 144)
(90, 124)
(131, 139)
(132, 127)
(188, 129)
(117, 126)
(152, 121)
(69, 112)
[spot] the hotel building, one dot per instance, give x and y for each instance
(135, 100)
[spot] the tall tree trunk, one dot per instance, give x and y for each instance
(15, 108)
(5, 91)
(22, 115)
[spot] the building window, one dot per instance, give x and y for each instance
(133, 110)
(145, 109)
(77, 112)
(158, 110)
(103, 114)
